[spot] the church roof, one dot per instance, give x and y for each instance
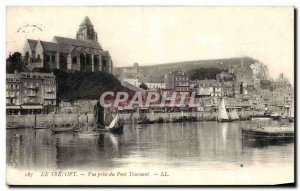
(55, 47)
(32, 43)
(75, 42)
(86, 21)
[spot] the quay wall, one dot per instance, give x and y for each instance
(62, 119)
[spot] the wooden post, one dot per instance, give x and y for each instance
(34, 119)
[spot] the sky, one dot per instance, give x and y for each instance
(154, 35)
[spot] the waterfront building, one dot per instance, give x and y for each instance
(81, 54)
(208, 88)
(30, 92)
(156, 85)
(177, 81)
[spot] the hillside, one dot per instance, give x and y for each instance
(221, 64)
(84, 85)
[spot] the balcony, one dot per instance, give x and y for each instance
(49, 90)
(32, 87)
(32, 95)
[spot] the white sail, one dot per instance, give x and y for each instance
(222, 114)
(113, 122)
(233, 114)
(292, 109)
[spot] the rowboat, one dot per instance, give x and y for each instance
(72, 129)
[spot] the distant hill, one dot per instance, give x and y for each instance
(221, 64)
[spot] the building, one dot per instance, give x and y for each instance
(81, 54)
(29, 93)
(177, 80)
(208, 88)
(129, 72)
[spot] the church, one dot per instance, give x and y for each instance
(81, 54)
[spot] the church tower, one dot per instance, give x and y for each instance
(86, 30)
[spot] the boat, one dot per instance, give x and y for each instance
(222, 113)
(88, 134)
(233, 115)
(115, 126)
(145, 120)
(275, 116)
(73, 129)
(41, 126)
(269, 133)
(291, 112)
(263, 117)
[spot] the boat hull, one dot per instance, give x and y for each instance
(145, 122)
(226, 120)
(116, 129)
(291, 120)
(64, 130)
(257, 134)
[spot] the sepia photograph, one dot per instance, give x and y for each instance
(138, 95)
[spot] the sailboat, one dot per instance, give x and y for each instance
(222, 113)
(115, 126)
(233, 115)
(291, 112)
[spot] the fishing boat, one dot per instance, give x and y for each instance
(268, 133)
(233, 115)
(222, 113)
(291, 112)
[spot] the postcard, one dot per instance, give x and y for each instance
(150, 96)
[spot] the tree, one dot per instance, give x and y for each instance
(143, 86)
(14, 62)
(204, 73)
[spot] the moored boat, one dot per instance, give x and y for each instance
(291, 112)
(233, 115)
(145, 120)
(115, 126)
(275, 116)
(283, 132)
(222, 113)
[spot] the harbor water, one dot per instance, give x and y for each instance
(192, 145)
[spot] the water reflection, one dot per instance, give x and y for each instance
(170, 144)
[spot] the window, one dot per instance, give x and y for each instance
(53, 58)
(74, 60)
(47, 58)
